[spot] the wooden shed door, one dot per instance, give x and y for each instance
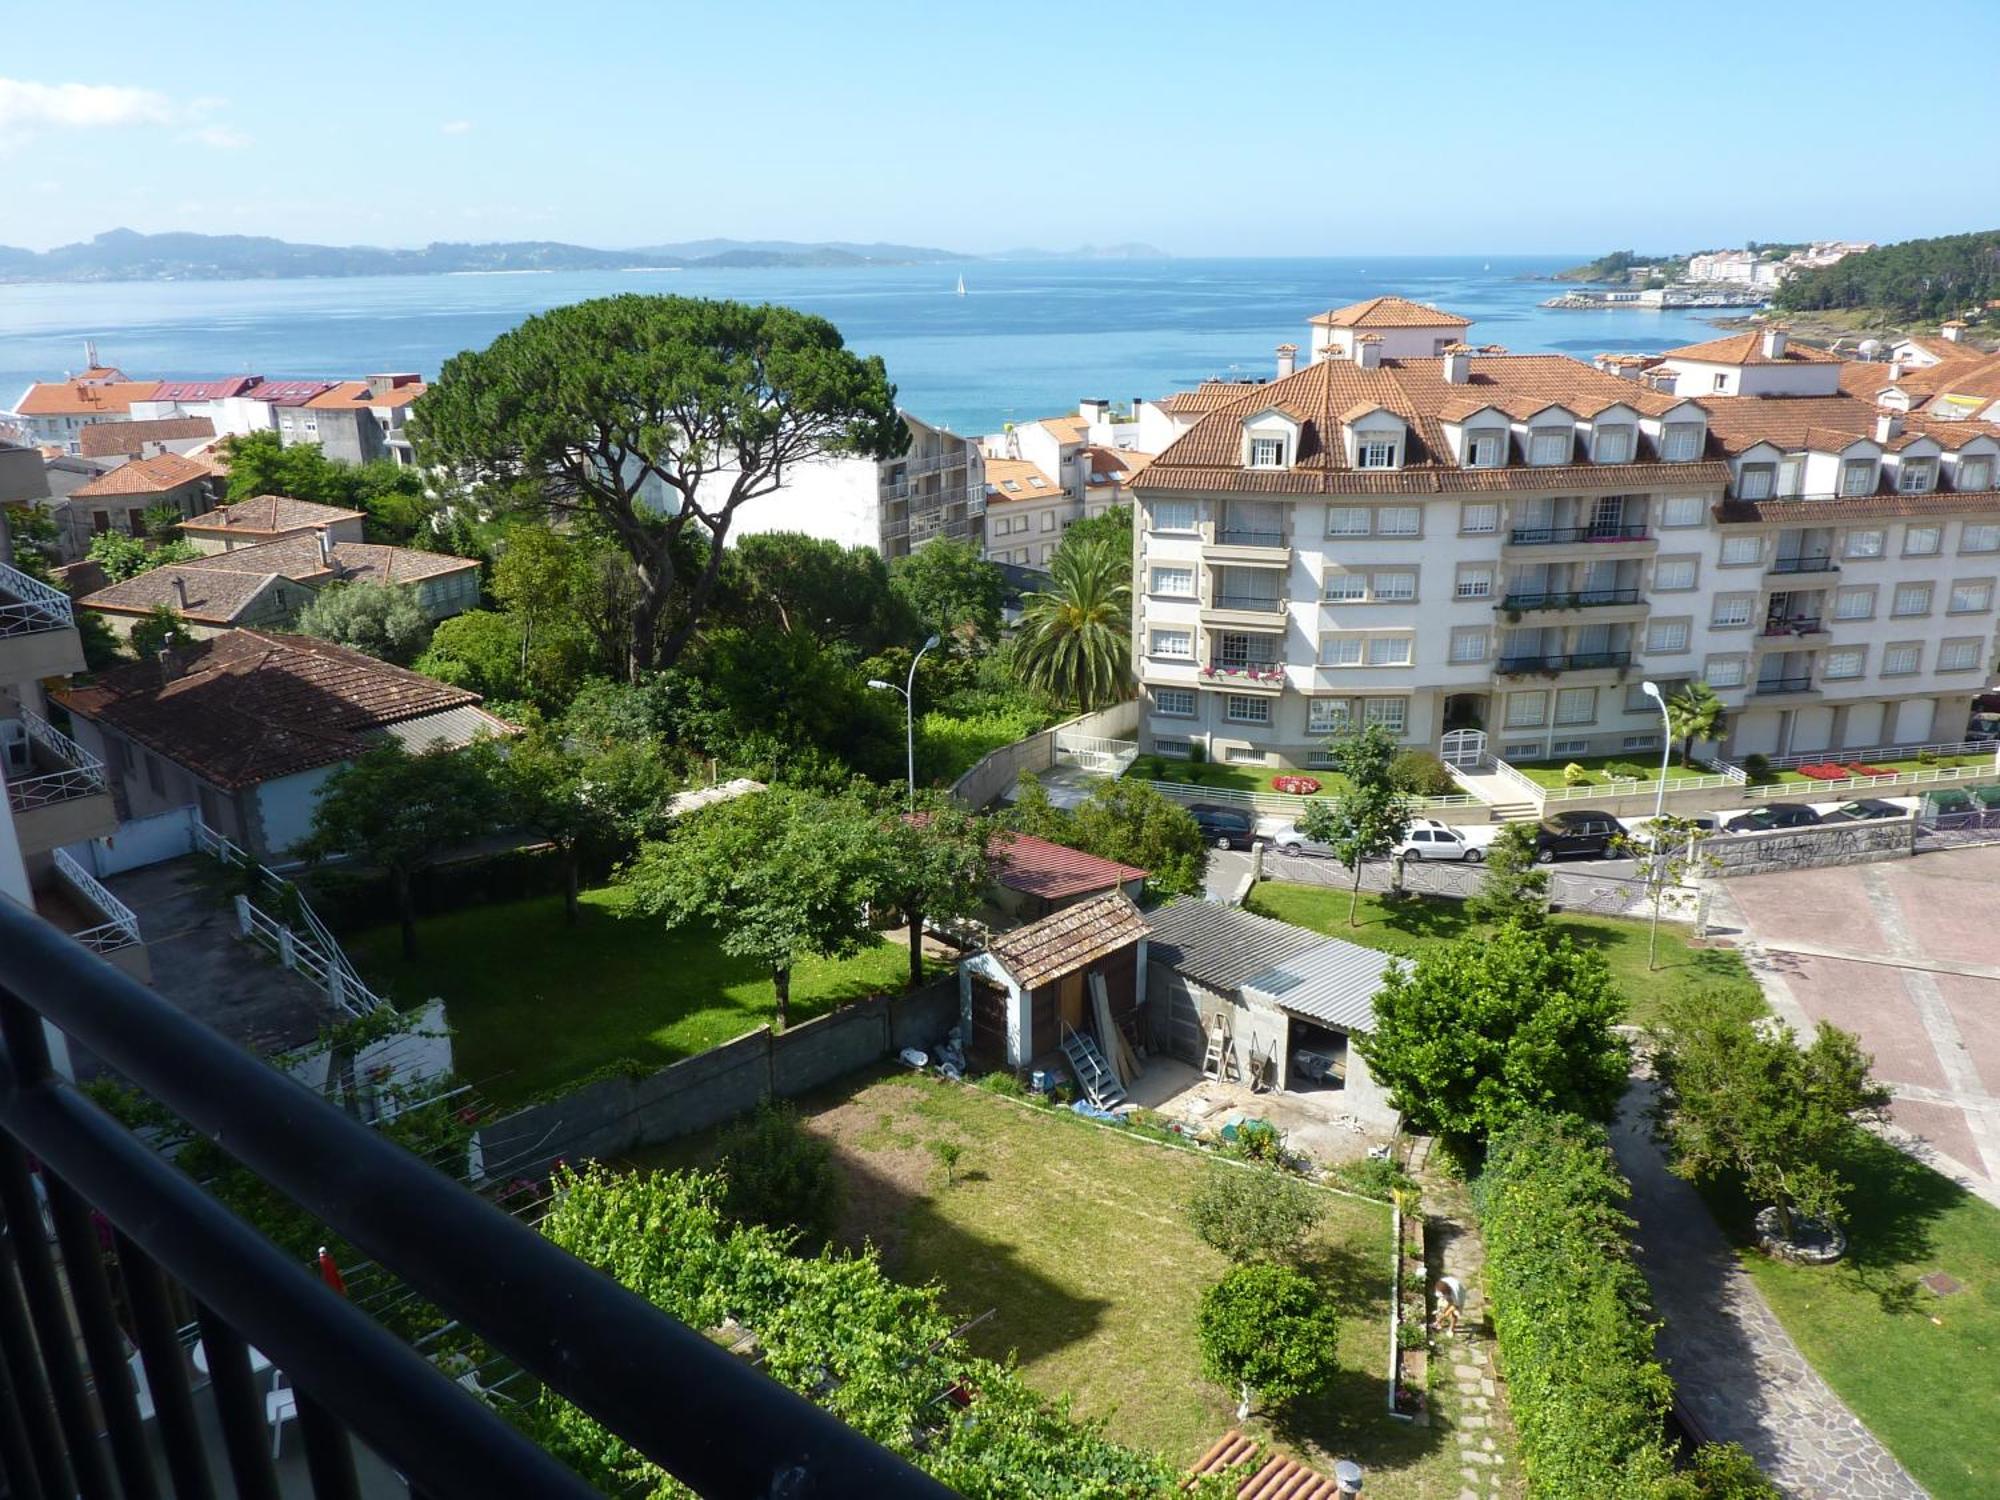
(1070, 1001)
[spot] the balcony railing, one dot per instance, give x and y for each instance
(1248, 604)
(1806, 625)
(112, 1202)
(29, 606)
(77, 772)
(121, 927)
(1768, 687)
(1245, 671)
(1804, 565)
(1574, 661)
(1249, 536)
(1540, 536)
(1570, 599)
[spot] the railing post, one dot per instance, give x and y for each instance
(287, 952)
(1701, 911)
(243, 923)
(336, 985)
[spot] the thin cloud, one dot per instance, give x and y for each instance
(26, 106)
(456, 127)
(218, 138)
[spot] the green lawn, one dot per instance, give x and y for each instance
(1240, 778)
(534, 1004)
(1920, 1368)
(1416, 923)
(1072, 1237)
(1549, 773)
(1790, 777)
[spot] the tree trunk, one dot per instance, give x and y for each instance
(1354, 898)
(642, 652)
(572, 910)
(916, 920)
(781, 981)
(406, 914)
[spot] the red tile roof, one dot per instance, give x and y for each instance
(84, 398)
(251, 706)
(108, 439)
(1017, 479)
(1389, 312)
(298, 556)
(269, 516)
(359, 395)
(144, 476)
(1070, 939)
(1036, 867)
(1748, 349)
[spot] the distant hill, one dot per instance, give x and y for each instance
(125, 255)
(1936, 278)
(1618, 265)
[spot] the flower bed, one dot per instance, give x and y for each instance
(1298, 786)
(1827, 770)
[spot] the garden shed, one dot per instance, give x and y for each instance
(1016, 998)
(1033, 877)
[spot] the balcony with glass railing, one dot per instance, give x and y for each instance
(1555, 665)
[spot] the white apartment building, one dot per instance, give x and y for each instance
(1512, 544)
(1026, 513)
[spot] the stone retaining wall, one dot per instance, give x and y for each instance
(1808, 848)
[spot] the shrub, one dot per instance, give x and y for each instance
(1002, 1083)
(1197, 752)
(1258, 1142)
(1265, 1329)
(776, 1174)
(1148, 768)
(1373, 1177)
(1421, 774)
(1927, 757)
(1757, 767)
(1575, 775)
(1252, 1215)
(1625, 770)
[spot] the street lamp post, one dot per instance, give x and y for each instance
(909, 712)
(1652, 690)
(1657, 856)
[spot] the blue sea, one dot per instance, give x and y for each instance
(1028, 340)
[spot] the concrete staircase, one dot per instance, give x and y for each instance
(1503, 798)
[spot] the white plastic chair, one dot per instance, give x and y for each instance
(280, 1406)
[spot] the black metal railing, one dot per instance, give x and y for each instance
(1540, 536)
(1804, 565)
(710, 1419)
(1249, 604)
(1569, 599)
(1806, 625)
(1575, 661)
(1249, 536)
(1769, 685)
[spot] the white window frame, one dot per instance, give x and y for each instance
(1489, 510)
(1920, 597)
(1731, 611)
(1930, 547)
(1569, 718)
(1986, 533)
(1686, 574)
(1384, 512)
(1485, 449)
(1974, 473)
(1520, 704)
(1345, 588)
(1680, 442)
(1551, 447)
(1725, 671)
(1375, 453)
(1614, 444)
(1364, 513)
(1165, 515)
(1470, 644)
(1961, 654)
(1756, 481)
(1677, 511)
(1863, 600)
(1740, 552)
(1859, 546)
(1916, 476)
(1469, 584)
(1238, 709)
(1668, 637)
(1857, 655)
(1173, 568)
(1267, 451)
(1392, 713)
(1392, 650)
(1977, 595)
(1342, 649)
(1157, 646)
(1902, 651)
(1858, 477)
(1162, 697)
(1381, 595)
(1328, 715)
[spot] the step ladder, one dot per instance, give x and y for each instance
(1220, 1060)
(1099, 1086)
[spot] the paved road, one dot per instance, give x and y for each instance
(1734, 1365)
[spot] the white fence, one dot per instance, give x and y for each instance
(120, 930)
(1283, 804)
(139, 842)
(31, 606)
(1878, 752)
(1088, 752)
(79, 774)
(1727, 778)
(1900, 781)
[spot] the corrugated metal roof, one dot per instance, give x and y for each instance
(1222, 946)
(1334, 983)
(455, 727)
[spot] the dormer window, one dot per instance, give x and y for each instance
(1485, 450)
(1857, 476)
(1680, 442)
(1550, 445)
(1376, 453)
(1753, 481)
(1267, 453)
(1975, 473)
(1916, 476)
(1613, 445)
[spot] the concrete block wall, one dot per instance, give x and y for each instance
(1808, 848)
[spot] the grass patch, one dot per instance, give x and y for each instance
(535, 1004)
(1900, 767)
(1414, 923)
(1918, 1368)
(1241, 778)
(1073, 1237)
(1549, 773)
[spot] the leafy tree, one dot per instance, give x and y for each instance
(780, 875)
(382, 619)
(573, 593)
(1266, 1331)
(934, 866)
(1930, 278)
(788, 581)
(1129, 822)
(1260, 1215)
(948, 1154)
(32, 540)
(482, 650)
(952, 590)
(777, 1173)
(596, 408)
(1695, 713)
(1368, 816)
(400, 813)
(1031, 812)
(1484, 1030)
(1669, 851)
(1725, 1471)
(397, 505)
(1743, 1099)
(1113, 527)
(124, 557)
(162, 522)
(1420, 773)
(1514, 889)
(787, 702)
(1075, 642)
(162, 629)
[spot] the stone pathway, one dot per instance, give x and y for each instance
(1736, 1369)
(1479, 1420)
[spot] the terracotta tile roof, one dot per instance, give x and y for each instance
(108, 439)
(1117, 465)
(1748, 349)
(204, 390)
(1868, 378)
(144, 476)
(1068, 940)
(1944, 350)
(84, 396)
(359, 395)
(287, 392)
(250, 706)
(1209, 454)
(268, 515)
(215, 596)
(1208, 396)
(298, 557)
(1389, 312)
(1036, 867)
(1981, 378)
(1028, 481)
(1879, 507)
(1066, 429)
(1277, 1478)
(1824, 424)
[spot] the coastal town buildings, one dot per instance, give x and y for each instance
(1762, 270)
(1512, 544)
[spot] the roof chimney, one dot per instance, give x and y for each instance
(1288, 359)
(1368, 351)
(170, 665)
(1954, 330)
(180, 592)
(1457, 363)
(1888, 426)
(325, 548)
(1895, 368)
(1775, 339)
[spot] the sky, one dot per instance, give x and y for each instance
(1285, 128)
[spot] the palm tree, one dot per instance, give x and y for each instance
(1695, 713)
(1076, 635)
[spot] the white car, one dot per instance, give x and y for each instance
(1428, 839)
(1288, 840)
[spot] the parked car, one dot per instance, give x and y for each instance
(1864, 811)
(1774, 815)
(1429, 840)
(1291, 840)
(1585, 833)
(1983, 728)
(1224, 827)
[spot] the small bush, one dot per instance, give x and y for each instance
(949, 1154)
(1002, 1083)
(1625, 770)
(1148, 768)
(1757, 767)
(1257, 1142)
(1373, 1177)
(1252, 1215)
(778, 1175)
(1267, 1329)
(1927, 757)
(1419, 773)
(1575, 775)
(1197, 753)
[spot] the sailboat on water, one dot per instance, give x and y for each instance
(961, 286)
